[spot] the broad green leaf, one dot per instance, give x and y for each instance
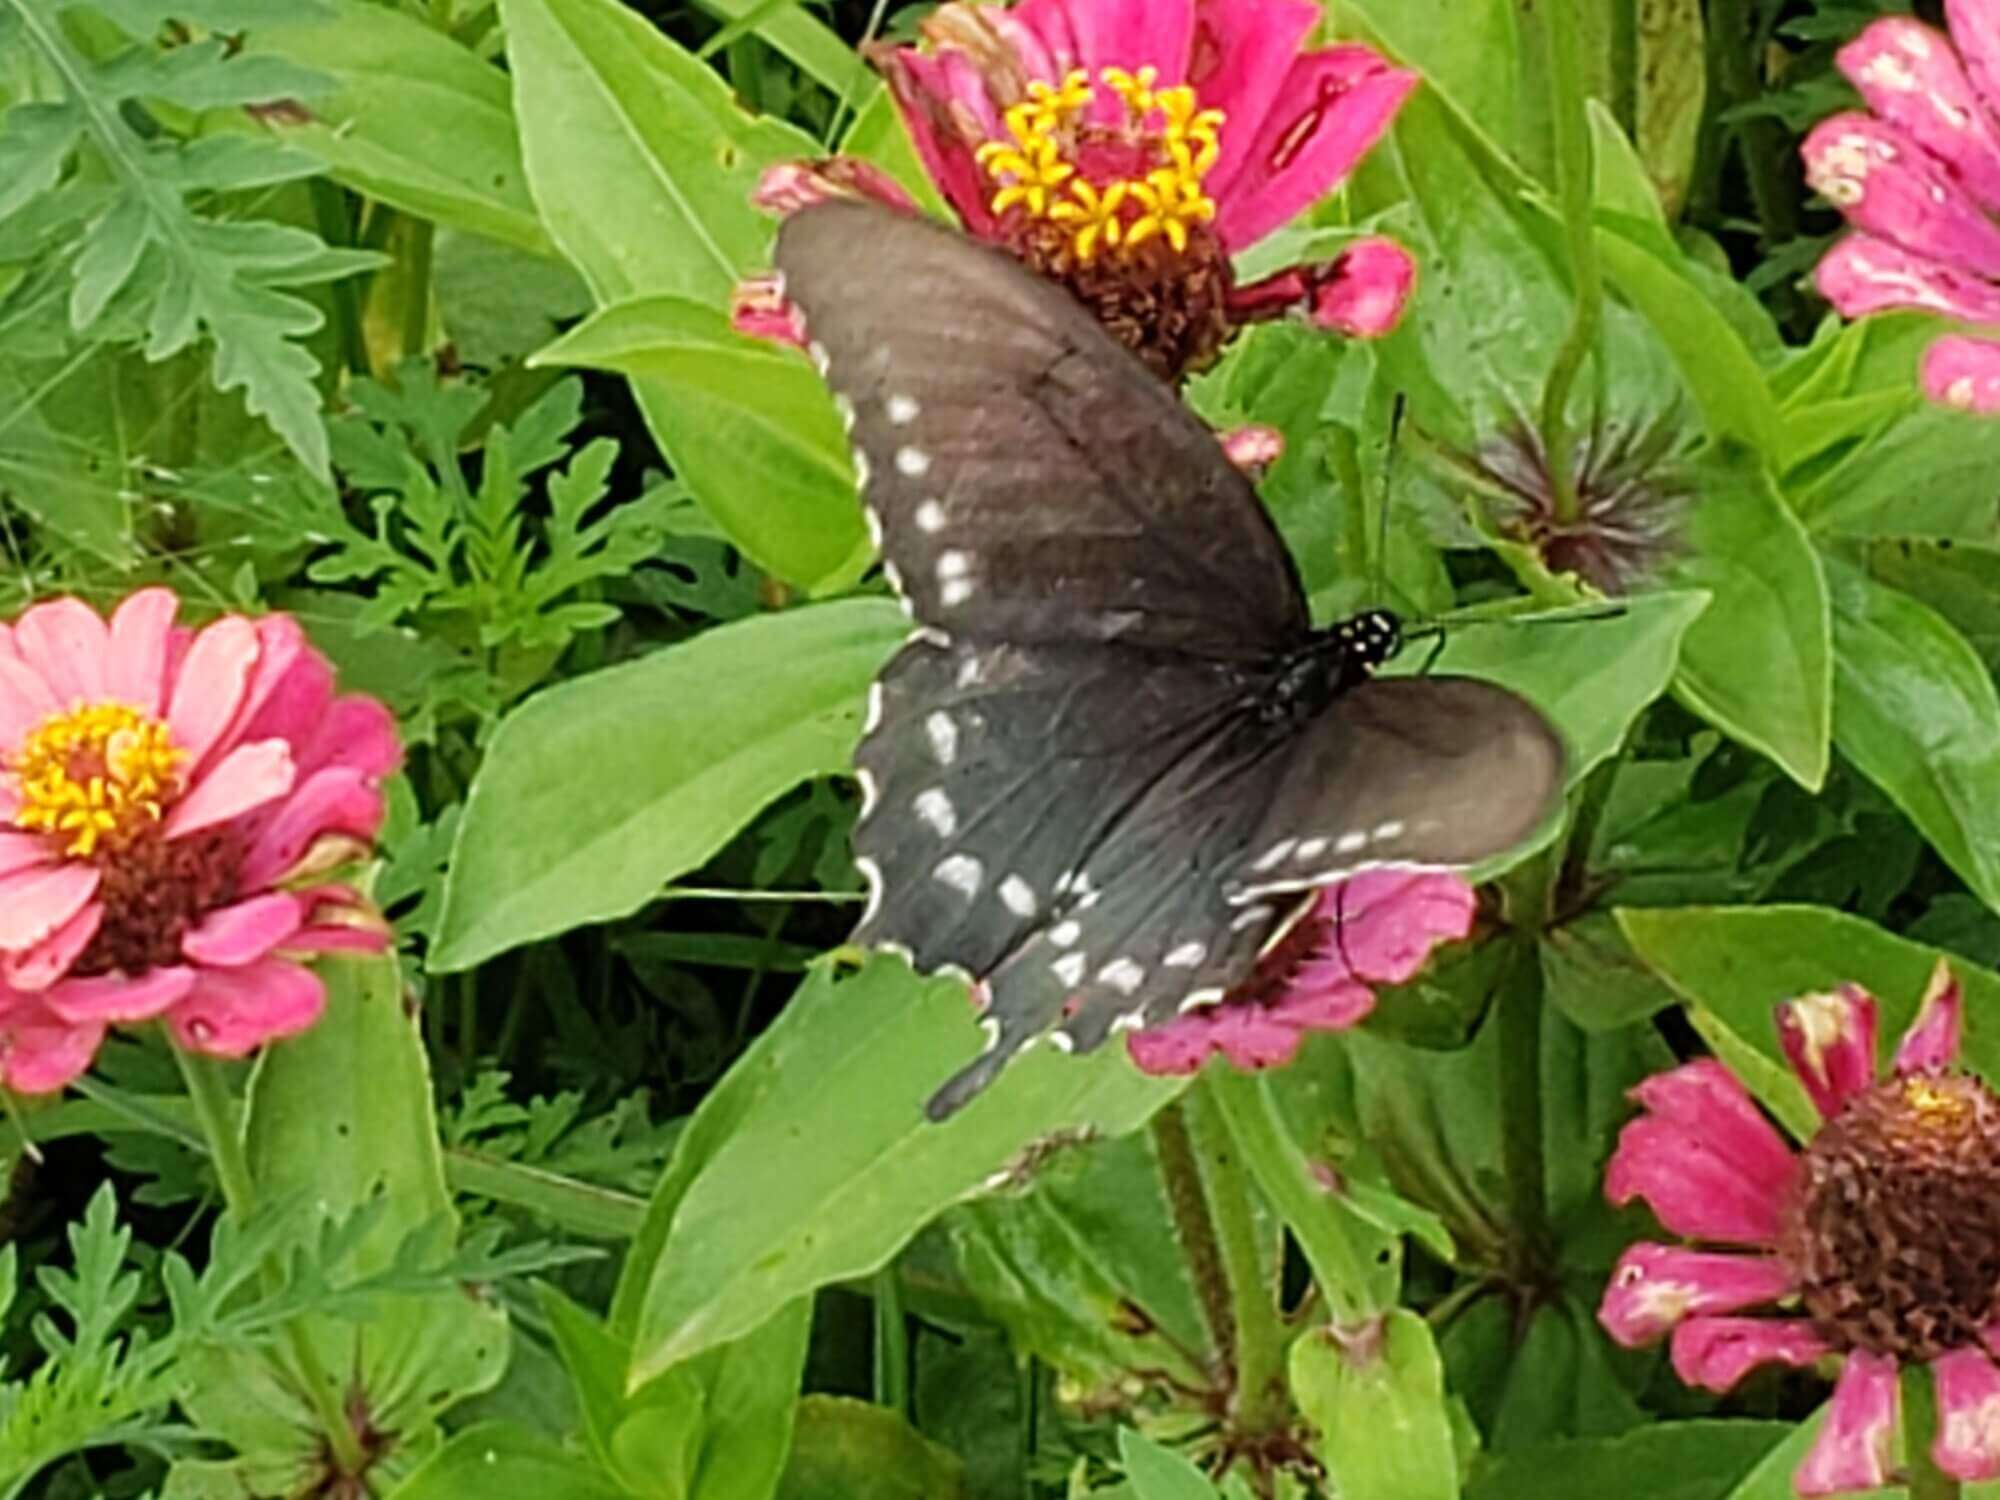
(642, 165)
(1560, 1380)
(877, 135)
(748, 424)
(1758, 664)
(1081, 1265)
(829, 1166)
(418, 120)
(343, 1113)
(1591, 974)
(600, 790)
(1700, 1460)
(503, 1459)
(1158, 1473)
(1717, 367)
(1739, 962)
(1625, 195)
(1960, 580)
(843, 1449)
(796, 33)
(1377, 1399)
(1916, 711)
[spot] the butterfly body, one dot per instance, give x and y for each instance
(1114, 750)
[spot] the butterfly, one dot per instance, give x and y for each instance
(1114, 758)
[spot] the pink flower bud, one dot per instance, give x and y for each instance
(759, 309)
(1253, 449)
(1367, 290)
(792, 185)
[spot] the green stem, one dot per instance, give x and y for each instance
(1187, 1204)
(215, 1112)
(417, 289)
(1574, 190)
(892, 1344)
(1519, 1018)
(1259, 1404)
(1925, 1480)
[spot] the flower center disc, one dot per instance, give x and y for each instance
(1895, 1228)
(96, 777)
(1109, 200)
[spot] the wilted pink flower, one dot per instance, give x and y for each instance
(1919, 178)
(170, 801)
(1377, 928)
(1253, 449)
(1129, 150)
(1880, 1240)
(759, 309)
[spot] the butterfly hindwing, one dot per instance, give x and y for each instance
(1031, 480)
(1419, 771)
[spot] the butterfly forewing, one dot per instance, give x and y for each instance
(1032, 482)
(1423, 771)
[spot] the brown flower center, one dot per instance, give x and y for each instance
(152, 893)
(1894, 1229)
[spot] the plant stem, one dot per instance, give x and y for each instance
(1187, 1204)
(1574, 190)
(1259, 1404)
(417, 290)
(1519, 1018)
(892, 1344)
(215, 1112)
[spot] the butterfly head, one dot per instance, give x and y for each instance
(1370, 638)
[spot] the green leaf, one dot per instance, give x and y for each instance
(1738, 962)
(819, 1163)
(1916, 711)
(596, 793)
(1159, 1473)
(416, 120)
(796, 33)
(748, 425)
(1378, 1402)
(1670, 85)
(1717, 367)
(1758, 664)
(1772, 1479)
(504, 1458)
(844, 1449)
(1701, 1460)
(877, 135)
(1960, 580)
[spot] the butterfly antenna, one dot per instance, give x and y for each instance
(1378, 585)
(1340, 926)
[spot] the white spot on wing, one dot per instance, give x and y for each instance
(1389, 830)
(930, 517)
(1187, 955)
(961, 872)
(943, 737)
(869, 791)
(956, 591)
(816, 351)
(1065, 933)
(953, 564)
(902, 410)
(1132, 1020)
(1250, 916)
(862, 470)
(1069, 968)
(912, 462)
(1196, 999)
(1312, 848)
(844, 409)
(1275, 855)
(874, 719)
(1351, 843)
(873, 517)
(1122, 975)
(872, 873)
(935, 808)
(1018, 896)
(970, 670)
(1062, 1041)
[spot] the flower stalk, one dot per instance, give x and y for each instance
(1574, 193)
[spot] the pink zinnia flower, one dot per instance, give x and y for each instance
(1919, 178)
(169, 801)
(1129, 150)
(1879, 1241)
(1377, 928)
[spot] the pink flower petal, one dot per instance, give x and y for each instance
(1242, 51)
(40, 1054)
(209, 688)
(136, 671)
(337, 800)
(1885, 183)
(1975, 35)
(759, 309)
(1715, 1353)
(1253, 449)
(1911, 77)
(118, 998)
(1963, 374)
(288, 687)
(36, 901)
(1050, 29)
(354, 731)
(1830, 1041)
(790, 186)
(1133, 34)
(1390, 920)
(247, 777)
(1333, 105)
(1931, 1043)
(66, 642)
(42, 965)
(231, 936)
(1852, 1450)
(21, 851)
(1707, 1163)
(1323, 997)
(1862, 274)
(945, 109)
(25, 700)
(1365, 295)
(232, 1012)
(1656, 1286)
(332, 939)
(1967, 1442)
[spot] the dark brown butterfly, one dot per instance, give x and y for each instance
(1114, 751)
